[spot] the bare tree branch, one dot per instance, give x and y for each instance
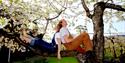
(56, 16)
(36, 19)
(86, 9)
(46, 26)
(113, 6)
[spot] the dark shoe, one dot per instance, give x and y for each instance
(90, 57)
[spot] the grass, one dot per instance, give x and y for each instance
(49, 60)
(36, 59)
(63, 60)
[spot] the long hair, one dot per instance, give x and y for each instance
(59, 26)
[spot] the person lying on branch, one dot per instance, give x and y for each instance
(43, 45)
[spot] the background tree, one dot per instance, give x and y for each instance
(97, 19)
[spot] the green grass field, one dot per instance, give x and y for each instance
(63, 60)
(50, 60)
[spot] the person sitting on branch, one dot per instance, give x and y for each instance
(74, 43)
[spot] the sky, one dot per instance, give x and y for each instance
(120, 27)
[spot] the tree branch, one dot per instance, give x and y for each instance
(113, 6)
(57, 15)
(86, 9)
(46, 26)
(34, 21)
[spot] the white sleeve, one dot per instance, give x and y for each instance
(64, 31)
(57, 35)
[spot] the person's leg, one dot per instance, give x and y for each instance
(87, 42)
(83, 39)
(80, 49)
(44, 45)
(75, 43)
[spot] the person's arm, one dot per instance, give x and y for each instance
(59, 48)
(68, 38)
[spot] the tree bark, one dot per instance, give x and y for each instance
(98, 37)
(97, 19)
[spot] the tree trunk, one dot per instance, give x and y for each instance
(97, 18)
(98, 38)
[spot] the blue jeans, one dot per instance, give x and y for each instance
(43, 45)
